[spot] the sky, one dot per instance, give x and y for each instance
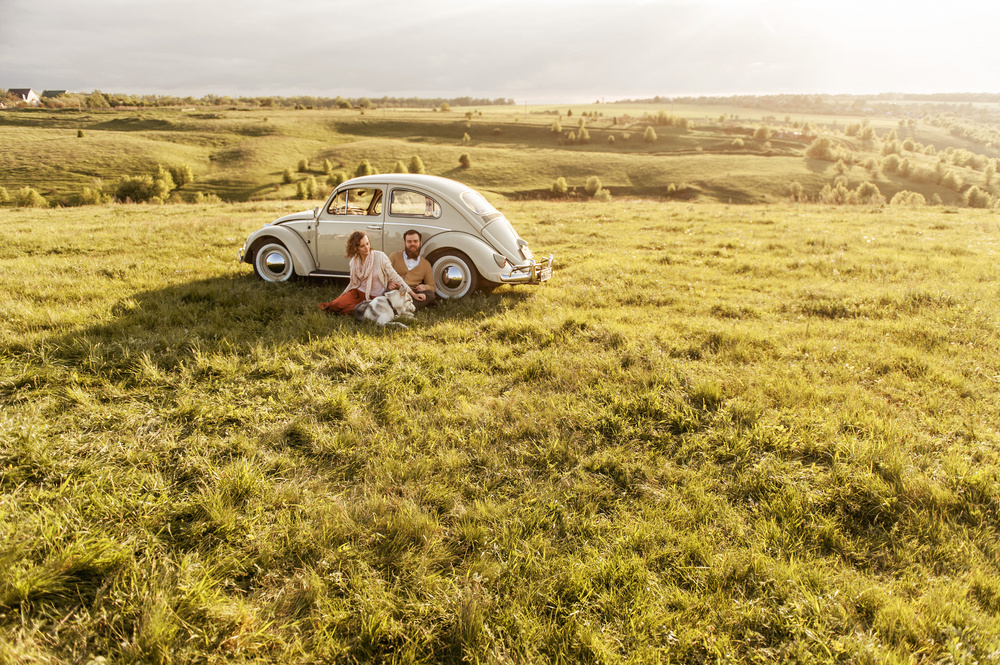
(538, 51)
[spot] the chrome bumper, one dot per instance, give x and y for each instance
(535, 272)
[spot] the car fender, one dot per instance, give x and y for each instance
(479, 251)
(302, 258)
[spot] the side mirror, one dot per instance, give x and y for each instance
(316, 213)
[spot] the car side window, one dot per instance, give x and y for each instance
(407, 203)
(356, 201)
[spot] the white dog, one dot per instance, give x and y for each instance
(385, 308)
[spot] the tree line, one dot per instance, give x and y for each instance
(98, 99)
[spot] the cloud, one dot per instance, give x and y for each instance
(549, 50)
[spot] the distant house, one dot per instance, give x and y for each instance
(26, 95)
(52, 94)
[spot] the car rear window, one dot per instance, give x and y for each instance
(477, 203)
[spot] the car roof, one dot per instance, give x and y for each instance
(445, 186)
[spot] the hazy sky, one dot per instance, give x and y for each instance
(538, 51)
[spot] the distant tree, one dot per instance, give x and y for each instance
(821, 148)
(399, 167)
(738, 143)
(559, 187)
(464, 160)
(796, 192)
(584, 136)
(868, 192)
(445, 107)
(93, 196)
(364, 168)
(989, 173)
(905, 197)
(140, 189)
(611, 139)
(336, 178)
(79, 133)
(4, 195)
(952, 181)
(909, 145)
(571, 137)
(977, 198)
(312, 187)
(300, 190)
(649, 136)
(327, 167)
(286, 176)
(417, 165)
(97, 100)
(840, 167)
(27, 197)
(602, 195)
(182, 174)
(466, 139)
(303, 165)
(762, 133)
(593, 185)
(890, 164)
(556, 127)
(365, 103)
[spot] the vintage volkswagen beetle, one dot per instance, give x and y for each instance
(467, 241)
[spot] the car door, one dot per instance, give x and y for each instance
(348, 210)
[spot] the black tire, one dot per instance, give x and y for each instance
(273, 262)
(455, 275)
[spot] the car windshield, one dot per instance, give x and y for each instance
(477, 203)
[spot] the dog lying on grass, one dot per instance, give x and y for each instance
(385, 308)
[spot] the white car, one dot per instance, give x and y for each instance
(467, 241)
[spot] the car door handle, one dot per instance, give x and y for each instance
(375, 227)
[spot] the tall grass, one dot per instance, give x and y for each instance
(720, 434)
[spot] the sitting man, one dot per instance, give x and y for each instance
(414, 269)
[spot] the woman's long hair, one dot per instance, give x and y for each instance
(353, 242)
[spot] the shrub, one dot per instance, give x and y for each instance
(286, 176)
(611, 139)
(584, 136)
(559, 187)
(303, 165)
(79, 133)
(907, 198)
(140, 189)
(417, 165)
(977, 198)
(868, 192)
(399, 167)
(4, 195)
(738, 143)
(602, 195)
(649, 136)
(327, 167)
(796, 191)
(762, 133)
(466, 139)
(821, 148)
(182, 175)
(364, 168)
(952, 181)
(93, 196)
(464, 160)
(336, 178)
(445, 107)
(593, 185)
(27, 197)
(890, 164)
(312, 187)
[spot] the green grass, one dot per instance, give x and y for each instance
(240, 155)
(720, 434)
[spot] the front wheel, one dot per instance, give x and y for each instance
(273, 262)
(455, 275)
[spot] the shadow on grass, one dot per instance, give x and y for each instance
(237, 313)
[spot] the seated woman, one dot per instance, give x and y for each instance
(371, 276)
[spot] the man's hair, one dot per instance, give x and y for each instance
(353, 242)
(411, 232)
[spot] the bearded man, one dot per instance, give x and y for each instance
(414, 269)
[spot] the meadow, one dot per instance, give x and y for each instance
(700, 152)
(720, 434)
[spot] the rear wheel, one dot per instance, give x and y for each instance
(455, 275)
(273, 262)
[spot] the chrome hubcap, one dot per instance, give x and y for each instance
(275, 263)
(452, 277)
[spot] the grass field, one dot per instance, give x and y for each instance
(721, 434)
(241, 154)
